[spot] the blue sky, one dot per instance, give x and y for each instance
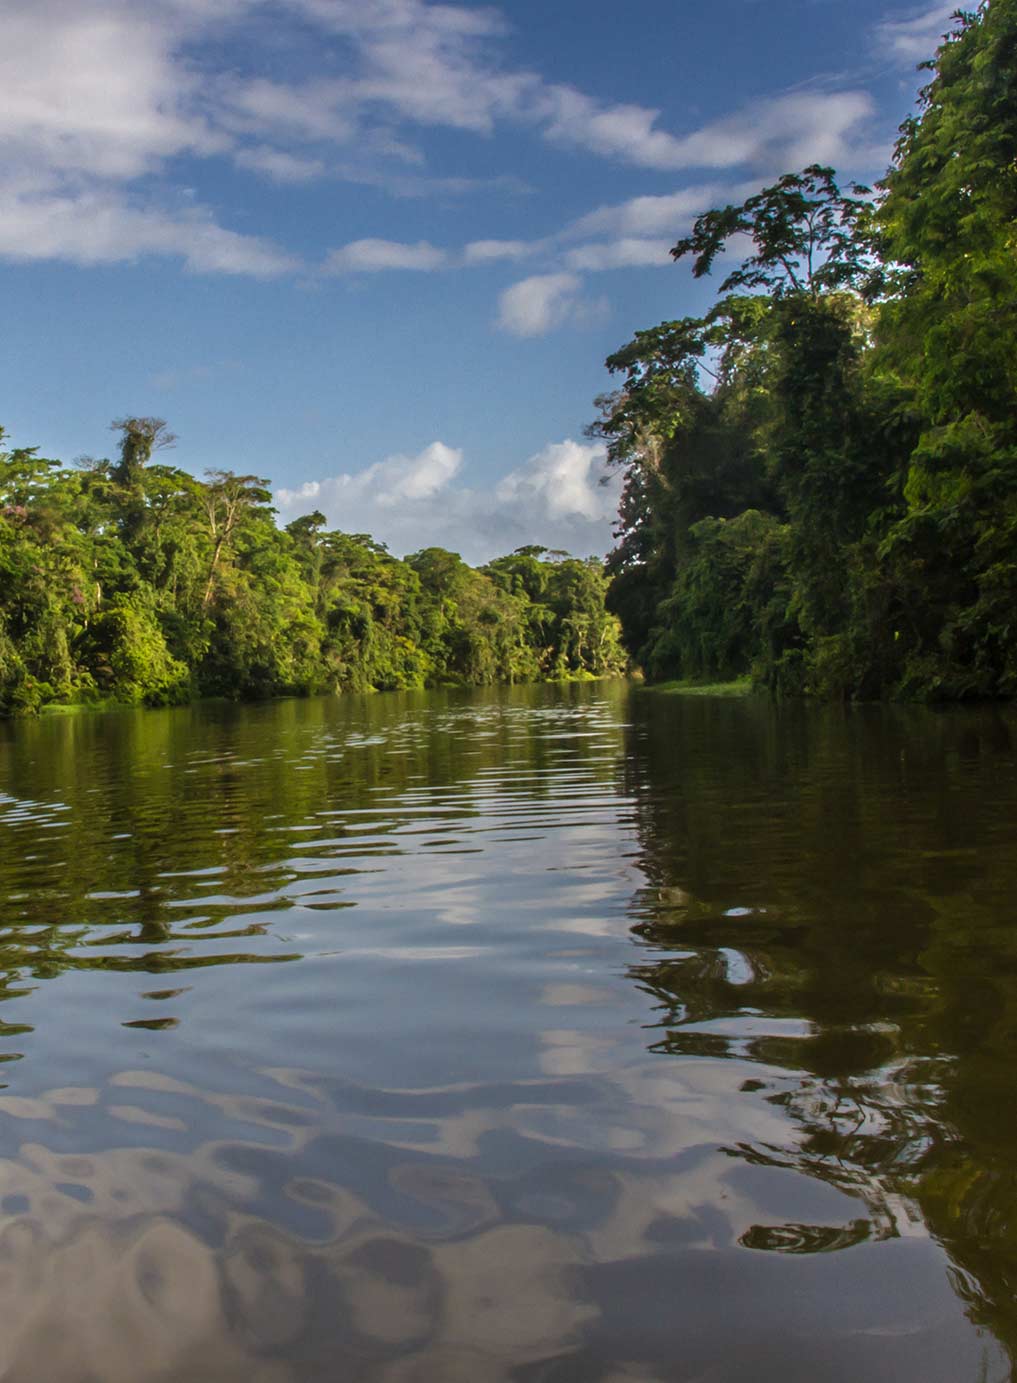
(377, 250)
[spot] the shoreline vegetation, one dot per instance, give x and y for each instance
(130, 582)
(741, 686)
(820, 474)
(819, 483)
(61, 710)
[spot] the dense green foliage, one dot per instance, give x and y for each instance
(821, 473)
(133, 581)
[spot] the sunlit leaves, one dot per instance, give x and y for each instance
(803, 235)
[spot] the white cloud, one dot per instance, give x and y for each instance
(635, 229)
(280, 166)
(383, 17)
(94, 99)
(306, 111)
(785, 132)
(434, 65)
(628, 252)
(400, 183)
(647, 216)
(555, 498)
(791, 131)
(563, 480)
(490, 251)
(625, 132)
(100, 94)
(375, 256)
(543, 301)
(427, 64)
(429, 86)
(415, 477)
(102, 227)
(916, 38)
(371, 256)
(535, 305)
(384, 485)
(92, 88)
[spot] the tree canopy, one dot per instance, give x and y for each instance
(131, 580)
(820, 474)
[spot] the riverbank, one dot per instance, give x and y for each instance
(741, 686)
(102, 705)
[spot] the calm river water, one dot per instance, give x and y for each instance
(559, 1035)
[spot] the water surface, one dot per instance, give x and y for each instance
(572, 1035)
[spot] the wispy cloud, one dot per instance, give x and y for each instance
(280, 166)
(102, 98)
(309, 110)
(491, 251)
(788, 131)
(639, 233)
(399, 183)
(647, 216)
(372, 256)
(628, 252)
(105, 227)
(95, 99)
(916, 38)
(628, 132)
(785, 132)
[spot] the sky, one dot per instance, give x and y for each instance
(376, 251)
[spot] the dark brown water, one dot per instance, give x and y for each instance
(554, 1035)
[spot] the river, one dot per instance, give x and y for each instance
(575, 1034)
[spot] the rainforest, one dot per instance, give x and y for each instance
(130, 581)
(821, 472)
(819, 482)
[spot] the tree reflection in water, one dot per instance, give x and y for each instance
(831, 897)
(334, 1063)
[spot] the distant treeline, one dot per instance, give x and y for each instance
(132, 581)
(821, 473)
